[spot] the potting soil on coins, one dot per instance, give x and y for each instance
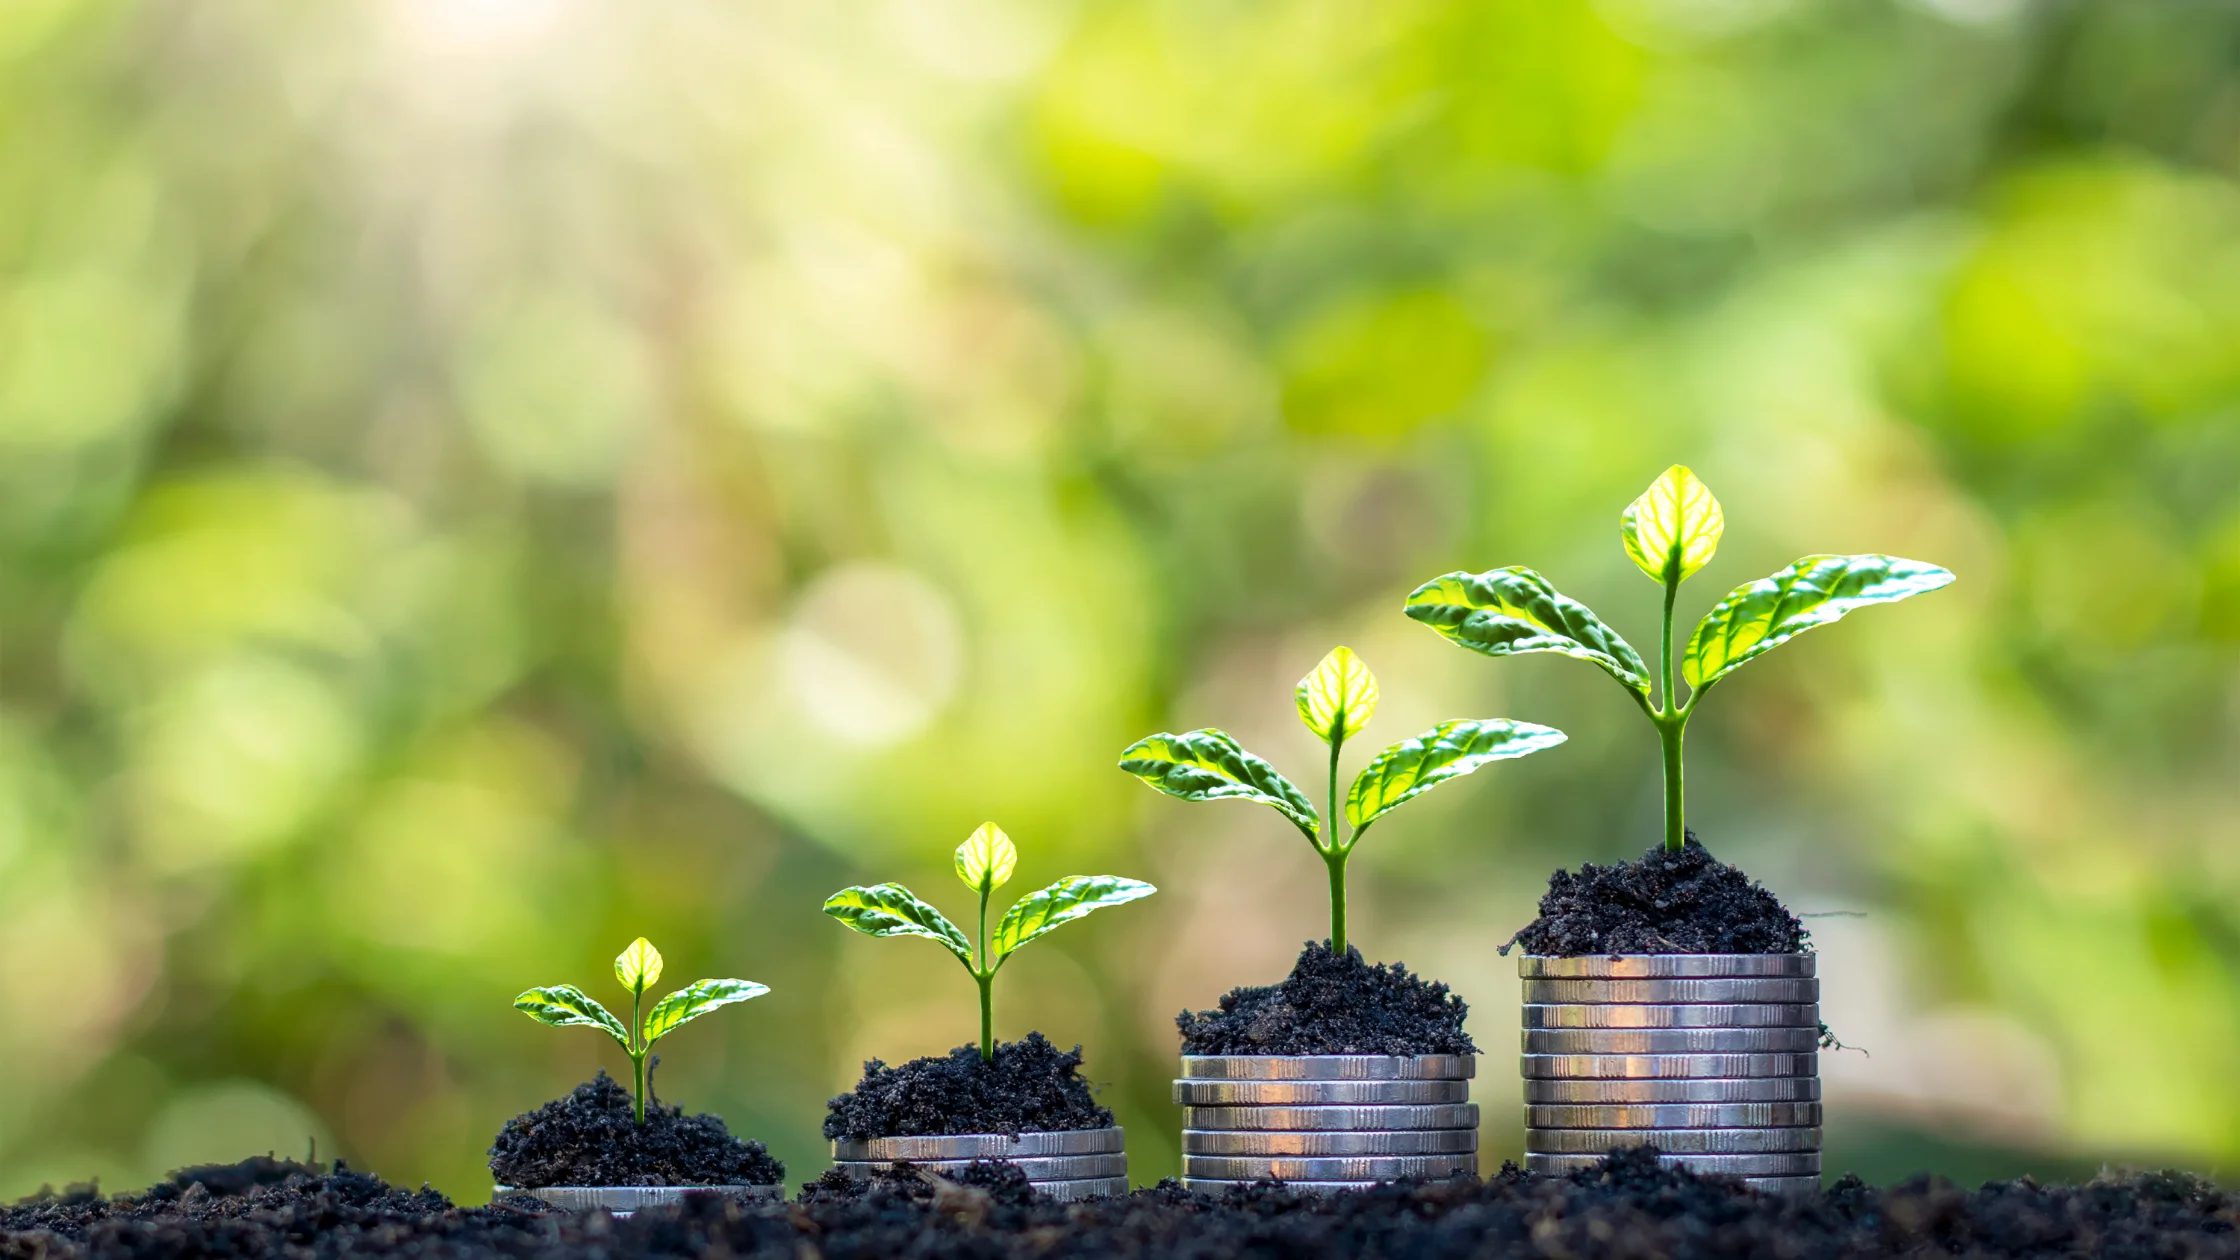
(1031, 1086)
(1661, 903)
(1333, 1005)
(592, 1137)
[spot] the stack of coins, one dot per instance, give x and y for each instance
(623, 1200)
(1711, 1058)
(1326, 1121)
(1065, 1165)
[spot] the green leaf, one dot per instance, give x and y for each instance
(892, 910)
(1761, 616)
(1449, 750)
(639, 966)
(1063, 902)
(1672, 530)
(694, 1000)
(985, 859)
(564, 1005)
(1207, 765)
(1514, 610)
(1337, 699)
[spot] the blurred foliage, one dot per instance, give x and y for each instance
(485, 479)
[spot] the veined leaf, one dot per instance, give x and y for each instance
(1063, 902)
(985, 859)
(694, 1000)
(1672, 530)
(564, 1005)
(1514, 610)
(1449, 750)
(639, 966)
(1338, 697)
(892, 910)
(1761, 616)
(1207, 765)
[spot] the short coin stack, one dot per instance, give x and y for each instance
(1063, 1164)
(1711, 1058)
(1325, 1121)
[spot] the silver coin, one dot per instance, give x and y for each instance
(1786, 1187)
(1380, 1168)
(1700, 1015)
(1748, 1089)
(1036, 1167)
(1208, 1185)
(981, 1145)
(1329, 1067)
(1312, 1119)
(1666, 966)
(1669, 1115)
(1665, 1066)
(1670, 1040)
(1795, 1164)
(1318, 1093)
(623, 1200)
(1786, 991)
(1672, 1141)
(1086, 1188)
(1311, 1145)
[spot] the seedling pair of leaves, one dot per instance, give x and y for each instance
(638, 968)
(1336, 701)
(984, 862)
(1671, 533)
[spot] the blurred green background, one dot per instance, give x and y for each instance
(484, 479)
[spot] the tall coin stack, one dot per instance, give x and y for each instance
(1711, 1058)
(1063, 1164)
(1325, 1122)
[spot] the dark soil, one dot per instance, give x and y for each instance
(1661, 903)
(592, 1138)
(1628, 1207)
(1031, 1087)
(1332, 1005)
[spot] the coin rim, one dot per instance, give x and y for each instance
(1742, 991)
(1809, 1085)
(1193, 1118)
(1181, 1088)
(1458, 1163)
(1658, 1067)
(1597, 1116)
(1680, 1014)
(1329, 1067)
(1535, 1139)
(1468, 1136)
(1030, 1143)
(1667, 966)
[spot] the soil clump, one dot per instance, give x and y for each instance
(591, 1137)
(1332, 1005)
(1660, 903)
(1031, 1086)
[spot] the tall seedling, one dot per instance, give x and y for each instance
(984, 863)
(1670, 532)
(1335, 701)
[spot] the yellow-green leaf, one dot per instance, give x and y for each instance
(1672, 530)
(1449, 750)
(1337, 698)
(892, 910)
(1208, 765)
(639, 966)
(564, 1005)
(694, 1000)
(1514, 610)
(985, 859)
(1758, 617)
(1063, 902)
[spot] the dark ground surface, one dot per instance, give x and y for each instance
(1332, 1005)
(592, 1137)
(1660, 903)
(1031, 1087)
(1629, 1209)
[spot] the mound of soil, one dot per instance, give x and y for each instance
(592, 1137)
(1030, 1087)
(1661, 903)
(1333, 1005)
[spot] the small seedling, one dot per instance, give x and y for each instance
(1670, 532)
(637, 967)
(1336, 701)
(984, 863)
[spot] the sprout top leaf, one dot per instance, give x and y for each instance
(1338, 697)
(985, 859)
(1673, 529)
(638, 968)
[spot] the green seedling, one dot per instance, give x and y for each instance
(637, 967)
(984, 863)
(1335, 701)
(1670, 532)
